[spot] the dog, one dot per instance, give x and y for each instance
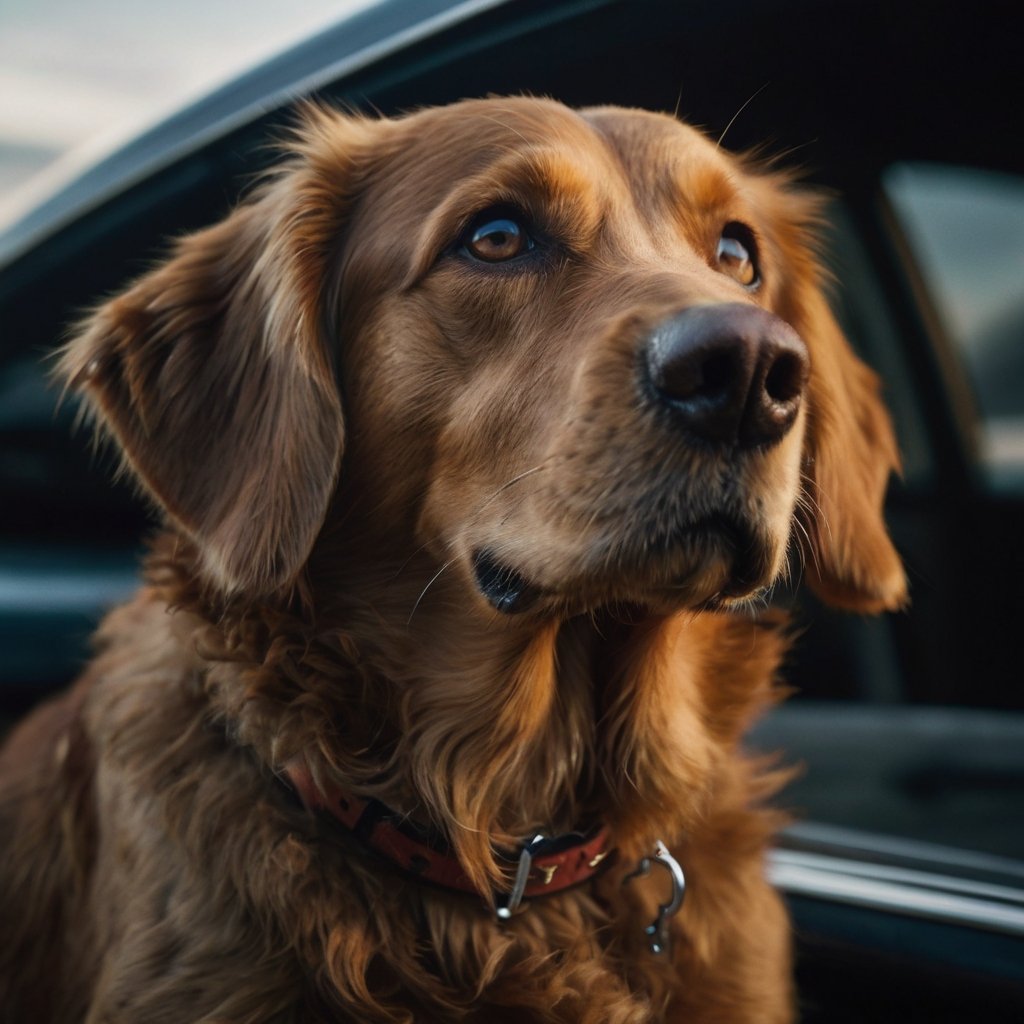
(480, 436)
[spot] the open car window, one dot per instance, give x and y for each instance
(965, 231)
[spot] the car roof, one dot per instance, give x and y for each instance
(353, 43)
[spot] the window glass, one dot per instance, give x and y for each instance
(966, 230)
(867, 321)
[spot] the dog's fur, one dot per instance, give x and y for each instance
(336, 408)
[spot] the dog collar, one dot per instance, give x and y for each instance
(543, 865)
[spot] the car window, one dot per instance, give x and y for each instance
(965, 228)
(895, 735)
(867, 320)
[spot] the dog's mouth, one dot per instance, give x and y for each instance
(735, 543)
(670, 564)
(507, 591)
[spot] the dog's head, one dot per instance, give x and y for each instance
(576, 358)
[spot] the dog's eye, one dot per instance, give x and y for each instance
(496, 237)
(737, 254)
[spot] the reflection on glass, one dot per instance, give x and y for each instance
(966, 228)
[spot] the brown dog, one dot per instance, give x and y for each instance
(478, 433)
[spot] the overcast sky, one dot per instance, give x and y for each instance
(85, 73)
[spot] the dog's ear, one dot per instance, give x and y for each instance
(851, 450)
(850, 453)
(214, 372)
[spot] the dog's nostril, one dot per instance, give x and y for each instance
(786, 378)
(718, 373)
(706, 375)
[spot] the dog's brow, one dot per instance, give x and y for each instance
(701, 197)
(567, 187)
(701, 186)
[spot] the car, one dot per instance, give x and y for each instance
(905, 866)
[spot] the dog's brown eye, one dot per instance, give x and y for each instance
(737, 254)
(497, 238)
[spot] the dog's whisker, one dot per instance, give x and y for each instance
(509, 483)
(433, 579)
(808, 547)
(806, 502)
(753, 96)
(806, 499)
(475, 514)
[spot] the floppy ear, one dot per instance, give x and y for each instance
(213, 373)
(851, 451)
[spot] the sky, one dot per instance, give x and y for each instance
(79, 75)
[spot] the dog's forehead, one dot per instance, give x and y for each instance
(441, 146)
(478, 126)
(644, 136)
(635, 149)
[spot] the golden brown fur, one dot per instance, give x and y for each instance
(314, 595)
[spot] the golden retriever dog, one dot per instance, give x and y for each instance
(480, 435)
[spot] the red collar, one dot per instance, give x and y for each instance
(543, 866)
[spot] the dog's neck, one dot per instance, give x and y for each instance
(490, 729)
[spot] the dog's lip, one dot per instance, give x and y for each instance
(505, 589)
(510, 591)
(747, 570)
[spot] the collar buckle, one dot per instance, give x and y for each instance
(506, 904)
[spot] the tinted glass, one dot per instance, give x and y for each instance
(966, 230)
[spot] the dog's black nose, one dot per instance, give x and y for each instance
(731, 373)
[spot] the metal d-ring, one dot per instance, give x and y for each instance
(656, 931)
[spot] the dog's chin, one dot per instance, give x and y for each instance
(716, 562)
